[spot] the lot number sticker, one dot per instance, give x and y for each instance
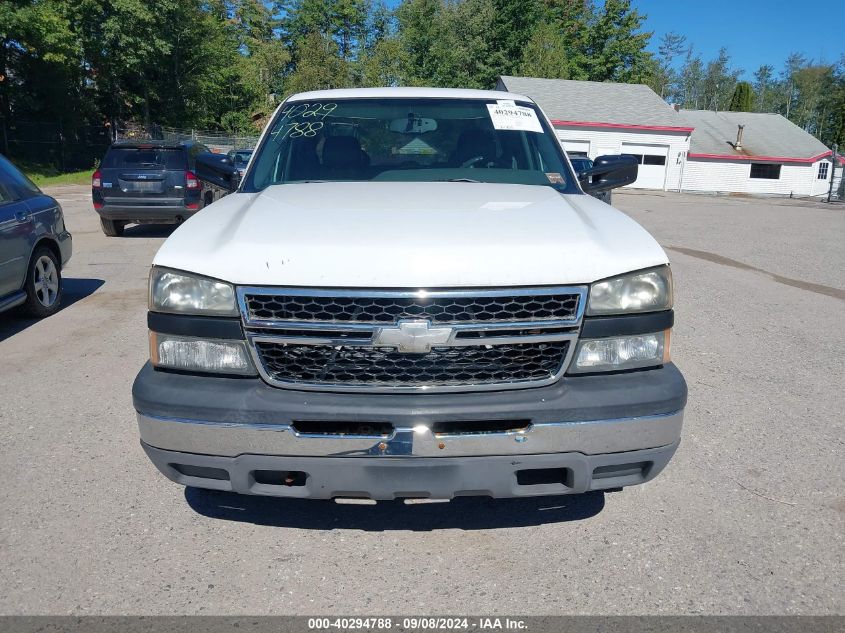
(507, 116)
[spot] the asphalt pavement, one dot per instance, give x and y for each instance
(746, 519)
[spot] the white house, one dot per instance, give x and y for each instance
(594, 119)
(749, 152)
(686, 150)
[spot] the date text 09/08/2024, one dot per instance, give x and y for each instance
(417, 623)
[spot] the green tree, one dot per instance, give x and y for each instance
(343, 21)
(319, 65)
(383, 64)
(616, 48)
(691, 80)
(718, 82)
(665, 79)
(743, 98)
(514, 25)
(793, 64)
(765, 88)
(40, 75)
(545, 54)
(834, 130)
(465, 54)
(419, 30)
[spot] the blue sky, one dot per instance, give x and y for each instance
(755, 32)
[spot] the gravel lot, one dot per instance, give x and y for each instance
(747, 519)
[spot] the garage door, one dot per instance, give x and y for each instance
(652, 160)
(576, 148)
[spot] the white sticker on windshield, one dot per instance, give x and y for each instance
(514, 117)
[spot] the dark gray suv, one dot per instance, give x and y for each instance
(34, 245)
(147, 182)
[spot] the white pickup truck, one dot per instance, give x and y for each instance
(409, 294)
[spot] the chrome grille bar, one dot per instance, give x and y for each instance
(481, 354)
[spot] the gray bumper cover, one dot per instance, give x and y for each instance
(419, 477)
(251, 401)
(626, 425)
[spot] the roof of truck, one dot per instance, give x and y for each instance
(407, 93)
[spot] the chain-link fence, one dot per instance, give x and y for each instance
(50, 143)
(216, 141)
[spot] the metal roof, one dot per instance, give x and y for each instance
(604, 104)
(764, 136)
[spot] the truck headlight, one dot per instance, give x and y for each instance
(644, 291)
(621, 352)
(204, 355)
(184, 293)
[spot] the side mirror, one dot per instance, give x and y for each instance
(218, 170)
(609, 172)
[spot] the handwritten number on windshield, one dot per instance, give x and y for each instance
(303, 119)
(309, 111)
(295, 129)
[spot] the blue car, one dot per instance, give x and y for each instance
(34, 245)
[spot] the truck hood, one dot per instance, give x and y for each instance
(409, 235)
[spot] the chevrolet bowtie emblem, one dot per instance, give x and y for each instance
(412, 336)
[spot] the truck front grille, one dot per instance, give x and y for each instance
(411, 340)
(384, 367)
(433, 307)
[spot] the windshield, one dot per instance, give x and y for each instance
(414, 140)
(240, 159)
(145, 157)
(580, 164)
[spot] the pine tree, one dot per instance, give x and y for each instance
(743, 98)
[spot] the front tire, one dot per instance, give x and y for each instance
(112, 228)
(43, 284)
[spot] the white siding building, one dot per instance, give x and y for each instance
(595, 119)
(690, 150)
(767, 155)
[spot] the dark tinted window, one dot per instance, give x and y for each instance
(650, 159)
(196, 149)
(765, 170)
(145, 158)
(15, 182)
(581, 164)
(240, 159)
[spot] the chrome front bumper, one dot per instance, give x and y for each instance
(239, 434)
(589, 437)
(416, 477)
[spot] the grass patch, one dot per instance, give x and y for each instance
(45, 175)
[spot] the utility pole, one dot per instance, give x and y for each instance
(834, 160)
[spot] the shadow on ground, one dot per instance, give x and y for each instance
(149, 230)
(73, 290)
(462, 513)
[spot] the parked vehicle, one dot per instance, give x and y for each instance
(410, 295)
(582, 166)
(240, 159)
(147, 182)
(34, 245)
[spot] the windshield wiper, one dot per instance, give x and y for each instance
(457, 180)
